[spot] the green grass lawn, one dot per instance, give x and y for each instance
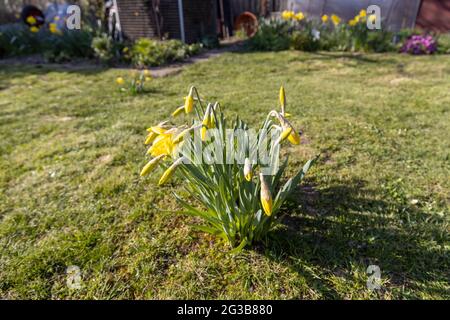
(70, 193)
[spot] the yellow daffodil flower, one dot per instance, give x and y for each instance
(163, 145)
(178, 111)
(352, 22)
(34, 29)
(299, 16)
(324, 18)
(266, 196)
(150, 165)
(362, 13)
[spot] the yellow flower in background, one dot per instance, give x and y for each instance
(56, 18)
(31, 20)
(148, 78)
(352, 22)
(147, 73)
(163, 145)
(373, 18)
(335, 19)
(324, 18)
(53, 28)
(287, 15)
(34, 29)
(362, 13)
(150, 165)
(266, 196)
(299, 16)
(120, 81)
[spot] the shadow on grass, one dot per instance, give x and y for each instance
(328, 232)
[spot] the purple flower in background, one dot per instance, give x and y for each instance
(419, 44)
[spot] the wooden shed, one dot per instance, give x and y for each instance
(188, 20)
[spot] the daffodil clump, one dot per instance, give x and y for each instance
(234, 187)
(137, 83)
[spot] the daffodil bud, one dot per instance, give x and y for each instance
(170, 171)
(282, 100)
(150, 137)
(294, 137)
(248, 172)
(286, 133)
(178, 111)
(120, 81)
(150, 165)
(206, 122)
(189, 102)
(266, 196)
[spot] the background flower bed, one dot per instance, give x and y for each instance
(89, 43)
(331, 33)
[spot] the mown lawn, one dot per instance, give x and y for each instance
(71, 150)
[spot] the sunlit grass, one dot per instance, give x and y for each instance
(70, 193)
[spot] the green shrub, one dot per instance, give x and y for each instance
(68, 45)
(147, 52)
(272, 35)
(16, 39)
(210, 42)
(107, 50)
